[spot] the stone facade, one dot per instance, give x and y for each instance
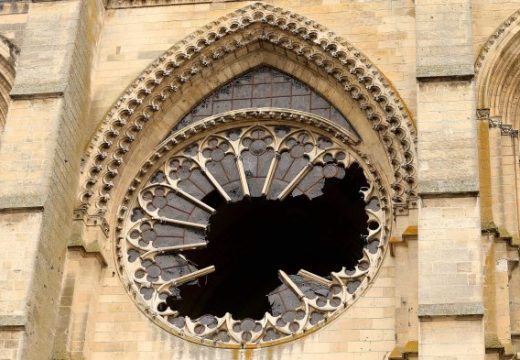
(428, 90)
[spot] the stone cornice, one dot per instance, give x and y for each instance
(124, 4)
(475, 309)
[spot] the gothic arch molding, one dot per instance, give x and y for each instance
(228, 71)
(497, 74)
(8, 56)
(298, 38)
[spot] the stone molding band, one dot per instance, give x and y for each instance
(455, 309)
(12, 322)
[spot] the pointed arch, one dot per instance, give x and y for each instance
(254, 27)
(497, 72)
(264, 86)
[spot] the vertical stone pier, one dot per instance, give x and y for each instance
(39, 156)
(449, 251)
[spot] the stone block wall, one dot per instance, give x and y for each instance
(40, 151)
(365, 331)
(77, 57)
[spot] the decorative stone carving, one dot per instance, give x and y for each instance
(307, 40)
(496, 88)
(494, 39)
(164, 217)
(8, 58)
(496, 122)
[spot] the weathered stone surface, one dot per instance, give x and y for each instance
(49, 40)
(456, 309)
(12, 321)
(444, 42)
(78, 57)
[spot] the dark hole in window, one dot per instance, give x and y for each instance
(250, 240)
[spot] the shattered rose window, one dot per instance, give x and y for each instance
(251, 227)
(256, 237)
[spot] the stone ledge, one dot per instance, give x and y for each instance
(410, 233)
(27, 201)
(43, 91)
(459, 188)
(448, 194)
(49, 95)
(500, 234)
(12, 322)
(447, 72)
(401, 353)
(90, 252)
(455, 309)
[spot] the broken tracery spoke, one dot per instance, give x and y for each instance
(188, 277)
(174, 249)
(315, 278)
(264, 217)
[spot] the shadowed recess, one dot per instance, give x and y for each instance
(250, 240)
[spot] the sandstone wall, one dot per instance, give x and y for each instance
(76, 60)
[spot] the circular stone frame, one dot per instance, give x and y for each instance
(331, 145)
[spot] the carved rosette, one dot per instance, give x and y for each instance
(248, 153)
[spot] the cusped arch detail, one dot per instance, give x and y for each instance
(296, 35)
(158, 268)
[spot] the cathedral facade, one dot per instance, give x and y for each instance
(283, 179)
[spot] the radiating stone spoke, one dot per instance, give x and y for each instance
(187, 278)
(313, 277)
(216, 184)
(294, 182)
(176, 190)
(287, 281)
(196, 201)
(270, 174)
(173, 249)
(181, 223)
(243, 179)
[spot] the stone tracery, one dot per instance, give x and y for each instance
(166, 214)
(256, 23)
(162, 216)
(265, 87)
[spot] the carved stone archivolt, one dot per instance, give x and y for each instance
(8, 58)
(304, 39)
(497, 72)
(269, 153)
(501, 32)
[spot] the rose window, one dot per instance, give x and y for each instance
(252, 227)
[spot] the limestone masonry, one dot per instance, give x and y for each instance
(260, 180)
